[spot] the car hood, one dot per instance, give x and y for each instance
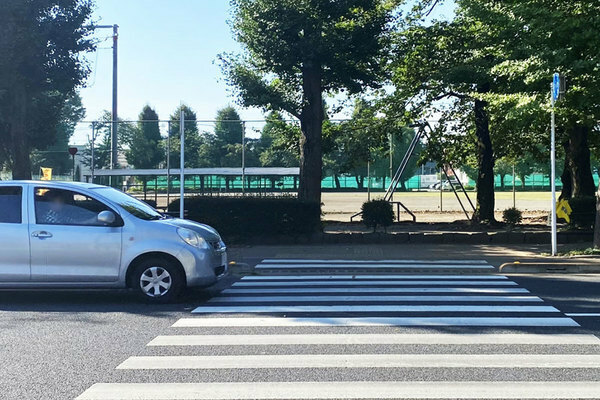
(207, 232)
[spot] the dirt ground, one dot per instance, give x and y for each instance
(426, 205)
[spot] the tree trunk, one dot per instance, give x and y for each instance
(502, 177)
(311, 124)
(565, 178)
(337, 181)
(360, 181)
(485, 163)
(581, 169)
(21, 163)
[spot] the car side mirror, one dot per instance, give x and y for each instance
(107, 217)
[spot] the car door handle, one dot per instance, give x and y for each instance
(41, 234)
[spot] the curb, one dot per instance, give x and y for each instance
(242, 269)
(504, 237)
(374, 271)
(549, 268)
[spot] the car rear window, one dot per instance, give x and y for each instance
(10, 204)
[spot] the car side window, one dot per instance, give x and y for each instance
(10, 204)
(65, 207)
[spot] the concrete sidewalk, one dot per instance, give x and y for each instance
(496, 255)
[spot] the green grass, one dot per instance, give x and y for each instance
(590, 251)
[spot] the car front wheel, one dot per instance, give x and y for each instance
(157, 280)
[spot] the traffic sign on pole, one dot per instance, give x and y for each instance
(555, 93)
(556, 86)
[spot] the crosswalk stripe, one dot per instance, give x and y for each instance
(374, 339)
(373, 321)
(342, 390)
(375, 290)
(339, 261)
(361, 277)
(373, 308)
(364, 361)
(583, 314)
(371, 266)
(337, 299)
(375, 283)
(436, 300)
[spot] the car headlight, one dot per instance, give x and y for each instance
(192, 238)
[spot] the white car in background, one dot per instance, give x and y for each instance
(77, 235)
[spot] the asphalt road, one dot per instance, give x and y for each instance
(56, 345)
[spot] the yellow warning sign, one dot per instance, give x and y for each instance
(563, 210)
(46, 174)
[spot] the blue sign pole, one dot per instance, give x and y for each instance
(555, 92)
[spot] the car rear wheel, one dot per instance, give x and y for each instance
(157, 280)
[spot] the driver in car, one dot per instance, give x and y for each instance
(57, 213)
(60, 212)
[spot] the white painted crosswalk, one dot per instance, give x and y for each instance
(314, 332)
(344, 390)
(365, 361)
(280, 322)
(349, 339)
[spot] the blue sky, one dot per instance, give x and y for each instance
(167, 55)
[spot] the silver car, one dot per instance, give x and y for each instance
(77, 235)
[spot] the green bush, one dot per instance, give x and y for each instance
(583, 211)
(512, 216)
(377, 212)
(243, 216)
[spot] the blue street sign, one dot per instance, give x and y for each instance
(556, 86)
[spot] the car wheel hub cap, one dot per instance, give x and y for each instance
(155, 281)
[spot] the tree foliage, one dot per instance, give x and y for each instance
(193, 141)
(145, 150)
(296, 50)
(41, 42)
(56, 155)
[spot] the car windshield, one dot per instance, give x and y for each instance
(130, 204)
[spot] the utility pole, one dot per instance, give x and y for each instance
(182, 164)
(93, 166)
(115, 125)
(168, 164)
(441, 189)
(514, 189)
(369, 178)
(391, 139)
(243, 157)
(114, 155)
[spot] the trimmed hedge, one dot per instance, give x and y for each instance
(268, 216)
(377, 212)
(512, 216)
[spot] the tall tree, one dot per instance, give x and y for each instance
(297, 50)
(102, 145)
(193, 141)
(279, 142)
(449, 62)
(554, 36)
(41, 42)
(228, 126)
(56, 155)
(144, 150)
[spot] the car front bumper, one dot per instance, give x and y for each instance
(203, 267)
